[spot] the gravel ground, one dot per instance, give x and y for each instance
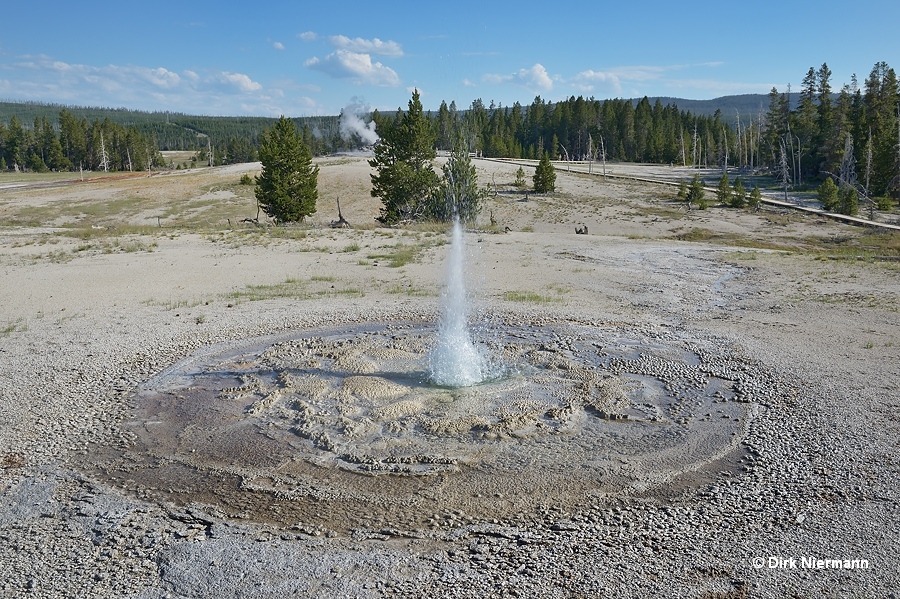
(815, 478)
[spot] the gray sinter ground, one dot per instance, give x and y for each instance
(267, 481)
(759, 479)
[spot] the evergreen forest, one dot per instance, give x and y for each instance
(851, 132)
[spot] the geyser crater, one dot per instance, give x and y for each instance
(383, 424)
(340, 427)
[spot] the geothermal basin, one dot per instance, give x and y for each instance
(338, 428)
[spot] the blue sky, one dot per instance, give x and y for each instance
(302, 59)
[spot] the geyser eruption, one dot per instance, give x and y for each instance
(455, 360)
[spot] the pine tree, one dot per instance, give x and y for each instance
(849, 201)
(825, 114)
(828, 195)
(881, 100)
(15, 143)
(804, 126)
(682, 190)
(544, 175)
(520, 178)
(738, 194)
(696, 193)
(458, 194)
(286, 189)
(755, 198)
(723, 191)
(405, 179)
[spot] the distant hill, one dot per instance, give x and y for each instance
(179, 131)
(749, 106)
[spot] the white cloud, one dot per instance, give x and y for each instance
(467, 83)
(536, 77)
(343, 64)
(239, 81)
(612, 79)
(42, 78)
(308, 36)
(586, 81)
(161, 77)
(364, 46)
(278, 46)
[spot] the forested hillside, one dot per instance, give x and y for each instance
(233, 139)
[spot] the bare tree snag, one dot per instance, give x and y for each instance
(341, 222)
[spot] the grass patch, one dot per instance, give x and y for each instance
(733, 256)
(290, 287)
(429, 226)
(57, 256)
(177, 304)
(15, 326)
(401, 254)
(89, 233)
(701, 235)
(868, 246)
(559, 289)
(528, 297)
(293, 288)
(67, 317)
(859, 300)
(351, 247)
(781, 220)
(407, 289)
(696, 234)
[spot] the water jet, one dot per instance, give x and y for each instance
(456, 361)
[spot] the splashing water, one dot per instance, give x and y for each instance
(456, 361)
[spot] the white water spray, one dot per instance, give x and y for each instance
(455, 360)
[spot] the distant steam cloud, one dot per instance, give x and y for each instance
(353, 127)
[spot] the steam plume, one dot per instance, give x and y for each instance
(353, 127)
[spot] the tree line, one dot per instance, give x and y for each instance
(850, 138)
(579, 128)
(75, 144)
(231, 139)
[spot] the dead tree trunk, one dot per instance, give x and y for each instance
(341, 222)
